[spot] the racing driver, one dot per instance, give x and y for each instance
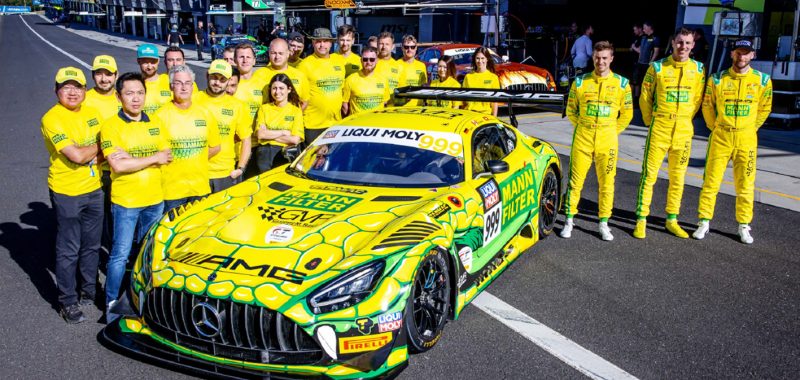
(672, 91)
(600, 108)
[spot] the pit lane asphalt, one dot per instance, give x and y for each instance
(658, 308)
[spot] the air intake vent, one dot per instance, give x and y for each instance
(412, 233)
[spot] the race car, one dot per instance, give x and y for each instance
(225, 40)
(343, 262)
(513, 76)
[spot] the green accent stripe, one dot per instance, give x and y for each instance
(643, 178)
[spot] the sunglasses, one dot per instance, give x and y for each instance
(369, 59)
(409, 47)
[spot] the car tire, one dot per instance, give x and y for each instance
(429, 303)
(549, 200)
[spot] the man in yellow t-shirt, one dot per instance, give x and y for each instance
(233, 119)
(366, 90)
(325, 75)
(194, 139)
(278, 63)
(297, 43)
(70, 134)
(346, 35)
(147, 58)
(388, 67)
(412, 71)
(136, 146)
(173, 56)
(103, 97)
(251, 85)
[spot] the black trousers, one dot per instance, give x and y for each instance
(80, 224)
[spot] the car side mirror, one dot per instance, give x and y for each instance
(433, 61)
(497, 166)
(292, 151)
(505, 58)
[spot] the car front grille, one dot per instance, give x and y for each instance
(230, 330)
(532, 87)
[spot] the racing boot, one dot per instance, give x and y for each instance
(675, 229)
(605, 232)
(641, 229)
(702, 229)
(566, 232)
(744, 234)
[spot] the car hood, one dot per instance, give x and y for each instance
(292, 233)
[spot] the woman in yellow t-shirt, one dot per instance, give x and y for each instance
(280, 122)
(482, 76)
(445, 77)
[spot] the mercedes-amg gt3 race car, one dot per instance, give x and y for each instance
(345, 261)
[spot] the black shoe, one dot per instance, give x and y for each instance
(86, 299)
(72, 314)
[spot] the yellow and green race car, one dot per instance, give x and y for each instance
(345, 261)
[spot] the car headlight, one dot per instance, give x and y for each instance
(346, 290)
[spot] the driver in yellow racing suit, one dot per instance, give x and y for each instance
(600, 108)
(672, 91)
(736, 104)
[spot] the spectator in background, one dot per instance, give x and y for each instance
(297, 43)
(637, 40)
(279, 31)
(174, 37)
(648, 51)
(199, 40)
(582, 51)
(699, 51)
(261, 32)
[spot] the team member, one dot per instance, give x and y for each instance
(194, 139)
(736, 103)
(366, 90)
(135, 145)
(482, 76)
(388, 67)
(445, 77)
(103, 97)
(412, 71)
(70, 133)
(233, 82)
(297, 43)
(233, 120)
(278, 63)
(229, 55)
(250, 87)
(671, 95)
(172, 57)
(325, 75)
(600, 108)
(147, 58)
(280, 121)
(582, 51)
(346, 35)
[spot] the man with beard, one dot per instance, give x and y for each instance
(346, 35)
(297, 43)
(365, 90)
(325, 75)
(147, 58)
(388, 67)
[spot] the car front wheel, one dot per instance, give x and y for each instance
(429, 303)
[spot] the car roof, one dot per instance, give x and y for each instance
(421, 118)
(455, 46)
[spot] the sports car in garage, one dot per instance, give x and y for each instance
(224, 41)
(343, 262)
(513, 76)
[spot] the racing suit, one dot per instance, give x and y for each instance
(600, 108)
(671, 95)
(734, 107)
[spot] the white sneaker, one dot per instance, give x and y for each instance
(744, 234)
(566, 232)
(702, 229)
(605, 232)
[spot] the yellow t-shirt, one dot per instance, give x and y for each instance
(60, 129)
(139, 139)
(390, 69)
(190, 133)
(233, 120)
(411, 74)
(365, 93)
(288, 117)
(486, 79)
(107, 105)
(250, 92)
(352, 63)
(299, 81)
(156, 96)
(325, 79)
(296, 64)
(451, 83)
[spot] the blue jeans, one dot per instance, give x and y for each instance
(127, 222)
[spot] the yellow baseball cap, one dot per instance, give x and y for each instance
(66, 74)
(221, 67)
(105, 62)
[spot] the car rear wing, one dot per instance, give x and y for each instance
(547, 101)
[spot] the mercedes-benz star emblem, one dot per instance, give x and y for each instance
(207, 320)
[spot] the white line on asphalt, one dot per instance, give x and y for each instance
(550, 340)
(84, 64)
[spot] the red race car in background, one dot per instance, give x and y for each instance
(513, 76)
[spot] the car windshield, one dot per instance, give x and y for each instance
(370, 156)
(463, 56)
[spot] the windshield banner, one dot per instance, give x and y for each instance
(441, 142)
